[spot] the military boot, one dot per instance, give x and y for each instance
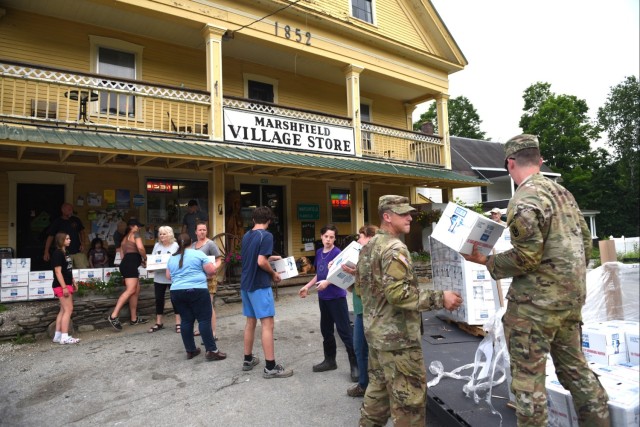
(329, 362)
(353, 362)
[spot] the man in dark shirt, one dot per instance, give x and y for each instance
(70, 224)
(191, 218)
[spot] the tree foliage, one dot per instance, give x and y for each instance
(620, 120)
(562, 125)
(599, 180)
(464, 120)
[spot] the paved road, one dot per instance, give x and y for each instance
(133, 378)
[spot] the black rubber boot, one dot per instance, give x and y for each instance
(353, 362)
(329, 362)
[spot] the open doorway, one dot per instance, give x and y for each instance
(254, 195)
(37, 205)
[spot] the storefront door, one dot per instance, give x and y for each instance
(254, 195)
(37, 205)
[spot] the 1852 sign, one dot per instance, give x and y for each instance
(294, 34)
(248, 127)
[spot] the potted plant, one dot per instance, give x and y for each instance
(234, 260)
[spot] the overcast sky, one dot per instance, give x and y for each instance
(580, 47)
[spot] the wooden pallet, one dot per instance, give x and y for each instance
(474, 330)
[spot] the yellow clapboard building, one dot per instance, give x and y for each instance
(132, 108)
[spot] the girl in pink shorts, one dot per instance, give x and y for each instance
(63, 287)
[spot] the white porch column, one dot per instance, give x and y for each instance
(443, 127)
(213, 40)
(352, 75)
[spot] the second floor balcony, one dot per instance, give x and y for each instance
(42, 96)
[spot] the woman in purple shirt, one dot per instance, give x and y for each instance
(333, 306)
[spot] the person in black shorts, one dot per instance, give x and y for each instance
(133, 256)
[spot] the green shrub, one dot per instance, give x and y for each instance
(23, 339)
(420, 256)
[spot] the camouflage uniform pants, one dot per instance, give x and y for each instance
(531, 334)
(397, 388)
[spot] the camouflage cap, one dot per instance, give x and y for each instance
(395, 204)
(518, 143)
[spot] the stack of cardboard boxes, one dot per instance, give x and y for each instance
(456, 232)
(19, 283)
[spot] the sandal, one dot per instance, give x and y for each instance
(178, 330)
(156, 328)
(196, 333)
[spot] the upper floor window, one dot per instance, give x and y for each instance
(117, 64)
(362, 9)
(367, 139)
(260, 91)
(121, 60)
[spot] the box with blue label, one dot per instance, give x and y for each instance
(604, 343)
(41, 275)
(15, 265)
(285, 267)
(349, 256)
(8, 280)
(40, 289)
(14, 294)
(460, 228)
(157, 261)
(85, 274)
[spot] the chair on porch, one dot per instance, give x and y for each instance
(188, 129)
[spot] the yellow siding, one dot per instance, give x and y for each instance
(30, 38)
(394, 19)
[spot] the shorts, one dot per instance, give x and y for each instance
(58, 291)
(258, 303)
(212, 285)
(129, 265)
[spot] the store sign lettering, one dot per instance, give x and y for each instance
(260, 129)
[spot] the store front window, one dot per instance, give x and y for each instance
(167, 200)
(340, 205)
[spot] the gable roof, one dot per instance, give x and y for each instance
(475, 157)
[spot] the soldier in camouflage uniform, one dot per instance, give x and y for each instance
(551, 247)
(392, 303)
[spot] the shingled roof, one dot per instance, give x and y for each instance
(478, 158)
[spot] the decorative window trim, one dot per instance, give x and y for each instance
(97, 42)
(262, 79)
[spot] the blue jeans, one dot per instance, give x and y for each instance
(362, 350)
(194, 304)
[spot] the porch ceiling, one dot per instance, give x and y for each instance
(183, 32)
(62, 146)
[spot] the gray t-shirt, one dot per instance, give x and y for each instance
(209, 248)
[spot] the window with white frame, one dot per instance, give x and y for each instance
(367, 138)
(362, 9)
(260, 88)
(121, 60)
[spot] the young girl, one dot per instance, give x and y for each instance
(63, 287)
(98, 257)
(333, 306)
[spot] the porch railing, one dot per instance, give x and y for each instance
(42, 95)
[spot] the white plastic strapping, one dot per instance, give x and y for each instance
(491, 361)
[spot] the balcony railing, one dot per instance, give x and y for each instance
(42, 95)
(47, 95)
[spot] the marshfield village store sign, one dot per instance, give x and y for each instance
(276, 132)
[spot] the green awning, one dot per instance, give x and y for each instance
(25, 143)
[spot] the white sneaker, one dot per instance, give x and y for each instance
(56, 340)
(70, 340)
